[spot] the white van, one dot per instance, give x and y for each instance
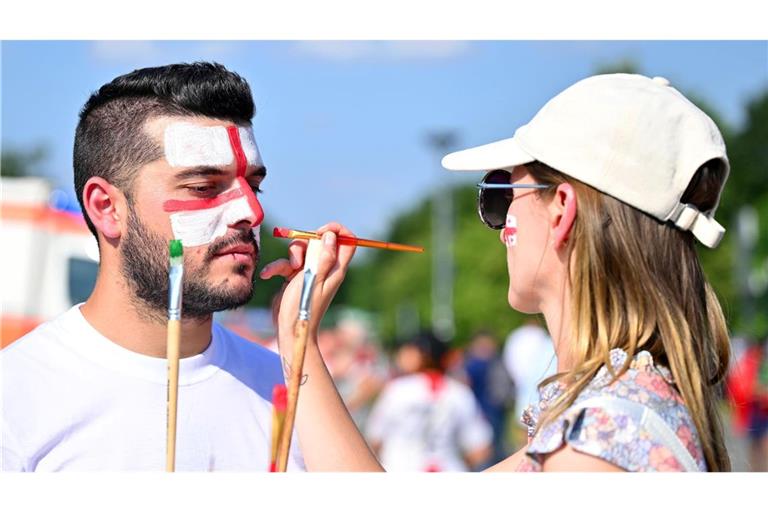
(49, 258)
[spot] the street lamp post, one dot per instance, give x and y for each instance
(442, 241)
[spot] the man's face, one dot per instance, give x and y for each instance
(198, 194)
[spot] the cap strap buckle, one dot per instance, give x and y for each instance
(706, 229)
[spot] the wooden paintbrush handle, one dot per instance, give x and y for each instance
(297, 371)
(174, 336)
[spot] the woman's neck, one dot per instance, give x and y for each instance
(557, 314)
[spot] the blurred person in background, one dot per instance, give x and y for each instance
(529, 357)
(359, 369)
(425, 420)
(492, 386)
(747, 392)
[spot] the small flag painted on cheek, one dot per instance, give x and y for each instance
(509, 235)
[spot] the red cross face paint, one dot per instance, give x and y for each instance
(509, 234)
(201, 221)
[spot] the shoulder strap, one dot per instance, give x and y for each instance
(645, 417)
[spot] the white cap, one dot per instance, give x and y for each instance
(632, 137)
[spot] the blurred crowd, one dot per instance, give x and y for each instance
(426, 405)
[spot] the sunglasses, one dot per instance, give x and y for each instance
(494, 196)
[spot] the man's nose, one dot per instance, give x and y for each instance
(253, 214)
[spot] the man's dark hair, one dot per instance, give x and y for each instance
(110, 141)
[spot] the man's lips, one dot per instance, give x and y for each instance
(240, 252)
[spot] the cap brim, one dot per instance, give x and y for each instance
(496, 155)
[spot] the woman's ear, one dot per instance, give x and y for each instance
(563, 207)
(105, 206)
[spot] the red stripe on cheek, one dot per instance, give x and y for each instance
(253, 202)
(237, 149)
(174, 205)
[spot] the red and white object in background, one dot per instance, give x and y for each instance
(49, 258)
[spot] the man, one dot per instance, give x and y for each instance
(160, 153)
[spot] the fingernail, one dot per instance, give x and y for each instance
(329, 238)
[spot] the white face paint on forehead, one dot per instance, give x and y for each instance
(189, 145)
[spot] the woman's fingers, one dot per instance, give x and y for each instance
(343, 254)
(281, 267)
(296, 251)
(327, 255)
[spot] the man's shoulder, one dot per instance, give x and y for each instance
(247, 353)
(44, 342)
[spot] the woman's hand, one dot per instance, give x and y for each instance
(331, 270)
(338, 445)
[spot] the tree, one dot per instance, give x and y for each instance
(18, 163)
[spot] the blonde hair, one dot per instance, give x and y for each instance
(636, 284)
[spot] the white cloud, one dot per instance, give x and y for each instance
(383, 50)
(428, 49)
(124, 51)
(336, 50)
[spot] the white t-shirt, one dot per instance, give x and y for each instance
(74, 400)
(422, 430)
(529, 357)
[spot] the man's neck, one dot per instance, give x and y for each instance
(115, 313)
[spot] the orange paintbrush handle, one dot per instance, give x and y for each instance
(279, 399)
(346, 240)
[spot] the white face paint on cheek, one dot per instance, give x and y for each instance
(509, 234)
(256, 230)
(200, 227)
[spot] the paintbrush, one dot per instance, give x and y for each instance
(175, 275)
(345, 240)
(311, 260)
(279, 399)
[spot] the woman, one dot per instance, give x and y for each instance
(612, 181)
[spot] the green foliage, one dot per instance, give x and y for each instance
(271, 248)
(626, 65)
(747, 185)
(17, 163)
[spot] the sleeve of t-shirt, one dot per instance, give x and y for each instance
(474, 430)
(607, 434)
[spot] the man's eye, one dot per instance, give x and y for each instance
(202, 189)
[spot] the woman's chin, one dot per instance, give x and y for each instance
(522, 304)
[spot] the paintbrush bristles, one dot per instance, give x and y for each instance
(176, 252)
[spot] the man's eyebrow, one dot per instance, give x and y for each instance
(199, 172)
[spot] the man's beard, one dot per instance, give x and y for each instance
(144, 265)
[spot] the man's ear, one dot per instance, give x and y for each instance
(106, 207)
(564, 206)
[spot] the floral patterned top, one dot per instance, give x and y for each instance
(614, 435)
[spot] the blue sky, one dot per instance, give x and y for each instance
(342, 126)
